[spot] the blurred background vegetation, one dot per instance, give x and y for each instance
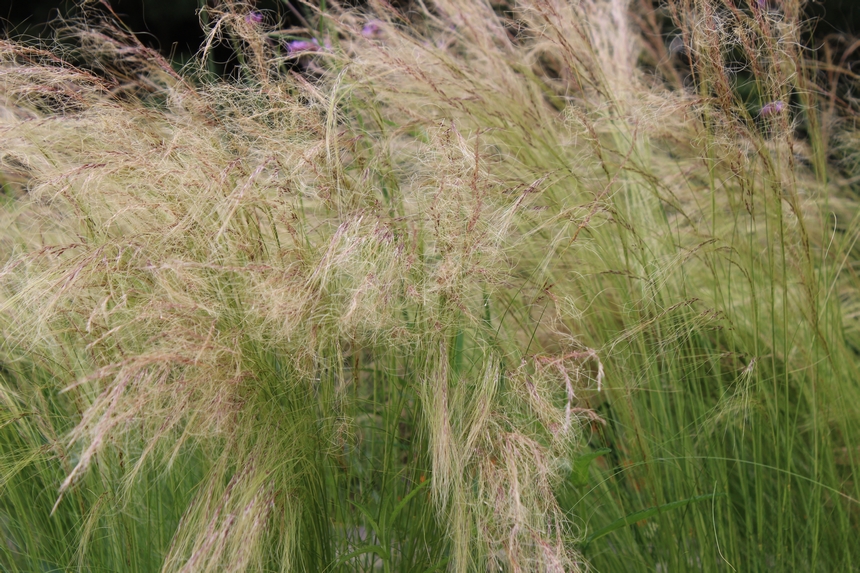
(173, 27)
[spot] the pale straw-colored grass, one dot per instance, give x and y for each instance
(443, 248)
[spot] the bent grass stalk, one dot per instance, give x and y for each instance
(357, 317)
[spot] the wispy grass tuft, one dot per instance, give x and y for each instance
(364, 306)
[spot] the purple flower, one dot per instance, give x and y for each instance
(303, 46)
(373, 29)
(254, 18)
(773, 108)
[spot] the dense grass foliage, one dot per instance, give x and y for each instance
(453, 288)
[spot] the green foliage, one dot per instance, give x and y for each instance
(449, 294)
(642, 515)
(579, 473)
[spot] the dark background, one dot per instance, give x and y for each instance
(835, 16)
(172, 26)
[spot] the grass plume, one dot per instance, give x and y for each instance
(361, 306)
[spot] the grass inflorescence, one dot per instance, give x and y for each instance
(461, 287)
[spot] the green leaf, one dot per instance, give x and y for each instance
(361, 551)
(438, 566)
(579, 475)
(406, 499)
(372, 522)
(645, 514)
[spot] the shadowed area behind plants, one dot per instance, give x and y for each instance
(369, 304)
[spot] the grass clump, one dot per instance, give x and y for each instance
(369, 305)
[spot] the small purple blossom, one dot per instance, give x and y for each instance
(303, 46)
(254, 18)
(373, 29)
(773, 108)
